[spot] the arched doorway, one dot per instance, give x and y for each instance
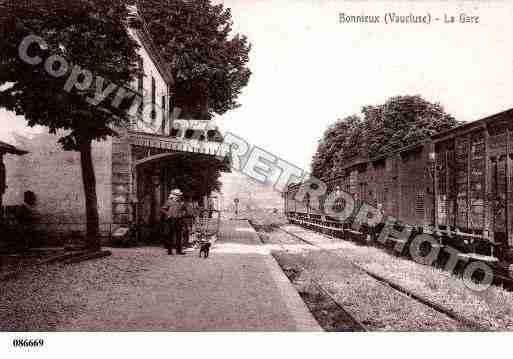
(152, 184)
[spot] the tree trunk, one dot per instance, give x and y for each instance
(91, 201)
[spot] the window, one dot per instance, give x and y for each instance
(140, 81)
(153, 97)
(163, 104)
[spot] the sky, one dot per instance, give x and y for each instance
(309, 70)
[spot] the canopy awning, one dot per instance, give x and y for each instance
(7, 148)
(218, 151)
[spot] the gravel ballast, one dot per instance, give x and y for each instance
(492, 308)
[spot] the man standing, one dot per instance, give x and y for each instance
(174, 212)
(3, 185)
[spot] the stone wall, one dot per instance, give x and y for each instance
(55, 177)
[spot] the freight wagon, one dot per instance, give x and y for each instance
(457, 186)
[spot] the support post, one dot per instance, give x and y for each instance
(508, 190)
(399, 186)
(487, 208)
(3, 185)
(447, 191)
(435, 191)
(122, 179)
(469, 171)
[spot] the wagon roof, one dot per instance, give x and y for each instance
(408, 148)
(478, 123)
(466, 126)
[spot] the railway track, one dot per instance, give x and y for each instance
(349, 320)
(465, 322)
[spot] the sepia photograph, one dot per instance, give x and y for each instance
(175, 169)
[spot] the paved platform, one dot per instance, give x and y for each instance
(240, 287)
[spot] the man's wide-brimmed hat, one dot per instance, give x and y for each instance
(175, 192)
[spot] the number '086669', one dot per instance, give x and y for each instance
(19, 342)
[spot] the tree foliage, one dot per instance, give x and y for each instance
(340, 141)
(87, 33)
(209, 63)
(196, 177)
(399, 122)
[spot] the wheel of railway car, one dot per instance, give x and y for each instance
(347, 232)
(443, 256)
(372, 236)
(478, 275)
(378, 241)
(425, 248)
(366, 235)
(338, 233)
(397, 244)
(377, 230)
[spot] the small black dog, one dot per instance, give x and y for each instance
(205, 249)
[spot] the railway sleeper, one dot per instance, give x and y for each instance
(503, 272)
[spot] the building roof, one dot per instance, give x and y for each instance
(154, 54)
(7, 148)
(138, 24)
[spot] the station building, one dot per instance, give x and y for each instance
(132, 171)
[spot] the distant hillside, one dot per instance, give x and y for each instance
(251, 194)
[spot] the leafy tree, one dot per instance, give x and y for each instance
(350, 147)
(88, 33)
(209, 63)
(322, 160)
(337, 143)
(196, 177)
(401, 121)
